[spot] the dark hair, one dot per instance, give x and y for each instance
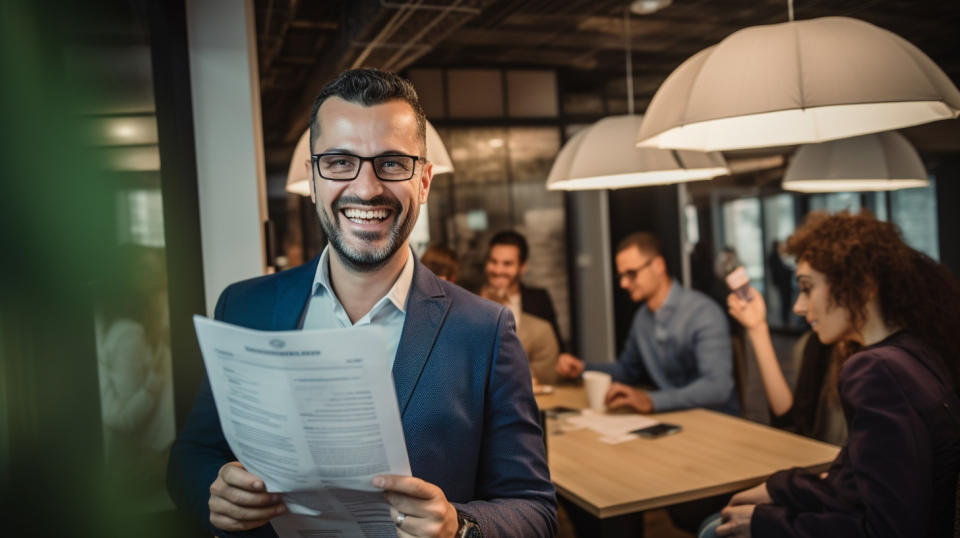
(370, 87)
(858, 253)
(646, 242)
(442, 261)
(511, 237)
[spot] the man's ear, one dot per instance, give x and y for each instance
(523, 267)
(426, 179)
(659, 265)
(313, 187)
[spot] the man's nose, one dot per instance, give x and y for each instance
(367, 184)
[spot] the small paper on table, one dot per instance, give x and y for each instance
(314, 414)
(613, 429)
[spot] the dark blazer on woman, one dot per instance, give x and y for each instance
(898, 472)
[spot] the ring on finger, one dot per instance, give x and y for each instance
(399, 519)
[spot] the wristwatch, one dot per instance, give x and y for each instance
(467, 526)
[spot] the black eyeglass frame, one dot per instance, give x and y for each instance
(633, 273)
(315, 157)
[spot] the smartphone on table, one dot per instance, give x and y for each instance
(658, 430)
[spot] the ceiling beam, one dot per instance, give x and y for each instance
(358, 19)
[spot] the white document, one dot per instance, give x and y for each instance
(313, 414)
(613, 429)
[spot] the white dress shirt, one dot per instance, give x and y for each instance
(326, 312)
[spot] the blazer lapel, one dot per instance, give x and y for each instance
(427, 307)
(293, 295)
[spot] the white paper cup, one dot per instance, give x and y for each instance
(597, 385)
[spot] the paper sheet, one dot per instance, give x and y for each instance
(314, 414)
(613, 429)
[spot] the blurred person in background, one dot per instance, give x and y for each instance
(135, 370)
(442, 261)
(507, 256)
(537, 337)
(897, 474)
(679, 341)
(781, 275)
(813, 408)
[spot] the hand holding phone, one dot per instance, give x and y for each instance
(658, 430)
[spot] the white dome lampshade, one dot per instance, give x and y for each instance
(874, 162)
(437, 152)
(298, 180)
(798, 82)
(604, 156)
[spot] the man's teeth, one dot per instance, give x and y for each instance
(366, 214)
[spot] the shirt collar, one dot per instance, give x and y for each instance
(397, 294)
(671, 302)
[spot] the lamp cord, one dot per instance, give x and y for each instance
(626, 46)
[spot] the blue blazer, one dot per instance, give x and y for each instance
(464, 391)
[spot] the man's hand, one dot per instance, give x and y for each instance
(736, 521)
(569, 366)
(239, 501)
(424, 506)
(621, 395)
(755, 495)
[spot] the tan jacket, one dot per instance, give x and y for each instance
(539, 342)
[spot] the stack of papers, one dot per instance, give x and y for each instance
(314, 414)
(613, 429)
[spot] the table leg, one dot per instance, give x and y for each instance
(586, 525)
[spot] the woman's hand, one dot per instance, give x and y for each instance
(751, 314)
(738, 513)
(736, 521)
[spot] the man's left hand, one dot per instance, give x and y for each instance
(621, 395)
(736, 521)
(424, 506)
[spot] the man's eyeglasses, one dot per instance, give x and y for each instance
(346, 166)
(632, 273)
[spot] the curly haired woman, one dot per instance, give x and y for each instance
(897, 475)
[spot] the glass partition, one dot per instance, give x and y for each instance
(110, 67)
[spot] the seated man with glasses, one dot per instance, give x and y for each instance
(679, 341)
(462, 382)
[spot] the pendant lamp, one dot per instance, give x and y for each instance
(874, 162)
(797, 82)
(603, 156)
(298, 180)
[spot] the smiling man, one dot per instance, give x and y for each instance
(461, 377)
(506, 263)
(679, 341)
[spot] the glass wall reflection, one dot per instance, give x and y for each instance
(111, 68)
(500, 183)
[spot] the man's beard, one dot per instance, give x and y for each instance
(512, 282)
(369, 259)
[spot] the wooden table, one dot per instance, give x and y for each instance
(714, 454)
